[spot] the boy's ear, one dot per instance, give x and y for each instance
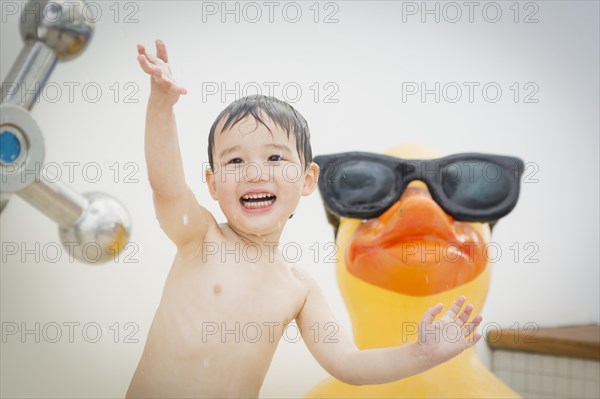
(210, 181)
(311, 179)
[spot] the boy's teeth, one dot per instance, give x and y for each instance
(257, 204)
(257, 200)
(256, 196)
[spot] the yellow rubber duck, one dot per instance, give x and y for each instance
(386, 295)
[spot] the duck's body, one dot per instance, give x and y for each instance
(390, 270)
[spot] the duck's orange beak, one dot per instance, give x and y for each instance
(415, 248)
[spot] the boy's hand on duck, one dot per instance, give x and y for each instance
(447, 337)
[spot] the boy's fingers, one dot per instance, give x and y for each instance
(153, 59)
(431, 313)
(453, 311)
(146, 66)
(142, 50)
(473, 341)
(464, 316)
(471, 326)
(161, 51)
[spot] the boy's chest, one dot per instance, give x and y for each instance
(234, 295)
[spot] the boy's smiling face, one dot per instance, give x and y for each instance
(258, 177)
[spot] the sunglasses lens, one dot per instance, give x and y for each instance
(476, 184)
(362, 183)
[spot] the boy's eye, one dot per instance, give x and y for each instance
(234, 160)
(275, 158)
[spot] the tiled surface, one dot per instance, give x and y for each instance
(544, 376)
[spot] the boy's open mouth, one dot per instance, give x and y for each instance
(257, 200)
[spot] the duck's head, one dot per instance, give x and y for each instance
(392, 267)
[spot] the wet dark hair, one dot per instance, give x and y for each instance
(259, 106)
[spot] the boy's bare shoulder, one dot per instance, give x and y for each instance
(305, 279)
(213, 234)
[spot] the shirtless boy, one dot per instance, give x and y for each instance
(221, 317)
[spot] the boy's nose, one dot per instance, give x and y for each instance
(254, 171)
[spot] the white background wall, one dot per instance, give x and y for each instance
(365, 56)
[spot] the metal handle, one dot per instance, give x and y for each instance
(91, 219)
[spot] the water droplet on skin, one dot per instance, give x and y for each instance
(185, 219)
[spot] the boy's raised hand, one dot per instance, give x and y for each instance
(158, 68)
(450, 335)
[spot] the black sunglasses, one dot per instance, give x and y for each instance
(469, 187)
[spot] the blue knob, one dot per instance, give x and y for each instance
(10, 149)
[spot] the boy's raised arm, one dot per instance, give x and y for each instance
(177, 210)
(336, 353)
